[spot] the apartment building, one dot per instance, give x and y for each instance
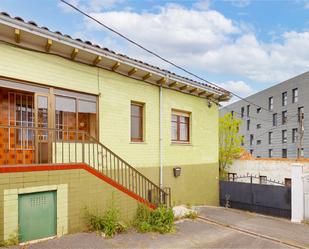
(272, 119)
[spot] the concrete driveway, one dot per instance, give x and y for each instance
(276, 229)
(190, 234)
(218, 233)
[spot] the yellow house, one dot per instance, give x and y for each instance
(81, 125)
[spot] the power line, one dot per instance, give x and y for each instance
(159, 56)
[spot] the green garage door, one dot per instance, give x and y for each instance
(37, 215)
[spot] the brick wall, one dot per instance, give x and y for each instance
(84, 190)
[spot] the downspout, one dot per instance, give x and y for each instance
(161, 129)
(161, 135)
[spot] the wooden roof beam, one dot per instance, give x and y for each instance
(183, 87)
(193, 90)
(97, 60)
(116, 65)
(201, 93)
(224, 97)
(147, 76)
(74, 53)
(162, 81)
(17, 35)
(132, 71)
(173, 84)
(49, 43)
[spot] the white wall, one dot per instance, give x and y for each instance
(275, 170)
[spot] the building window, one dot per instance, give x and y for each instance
(137, 122)
(87, 115)
(248, 125)
(242, 112)
(180, 126)
(295, 95)
(300, 113)
(294, 135)
(284, 117)
(231, 176)
(242, 140)
(258, 126)
(75, 118)
(287, 182)
(275, 119)
(284, 99)
(284, 136)
(21, 114)
(270, 153)
(258, 110)
(248, 110)
(284, 153)
(270, 137)
(251, 139)
(300, 152)
(270, 103)
(258, 142)
(263, 179)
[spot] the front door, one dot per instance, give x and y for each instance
(37, 215)
(43, 143)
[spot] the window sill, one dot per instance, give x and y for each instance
(136, 142)
(182, 143)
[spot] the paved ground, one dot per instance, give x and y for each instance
(197, 234)
(281, 229)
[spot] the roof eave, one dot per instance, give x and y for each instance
(100, 52)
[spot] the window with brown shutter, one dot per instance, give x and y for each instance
(180, 126)
(137, 123)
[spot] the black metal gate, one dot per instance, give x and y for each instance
(259, 198)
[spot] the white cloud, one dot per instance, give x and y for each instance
(202, 5)
(306, 4)
(205, 40)
(240, 3)
(238, 87)
(89, 5)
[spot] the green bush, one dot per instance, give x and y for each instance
(107, 222)
(11, 241)
(159, 220)
(191, 215)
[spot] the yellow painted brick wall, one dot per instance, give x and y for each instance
(84, 190)
(47, 69)
(117, 92)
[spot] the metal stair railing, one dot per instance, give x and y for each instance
(102, 159)
(38, 145)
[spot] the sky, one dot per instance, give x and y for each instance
(242, 45)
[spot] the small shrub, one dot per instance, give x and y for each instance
(159, 220)
(142, 219)
(144, 227)
(11, 241)
(191, 215)
(108, 223)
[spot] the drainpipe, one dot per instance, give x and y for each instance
(161, 131)
(161, 135)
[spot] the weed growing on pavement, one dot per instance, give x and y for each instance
(191, 215)
(108, 222)
(159, 220)
(11, 241)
